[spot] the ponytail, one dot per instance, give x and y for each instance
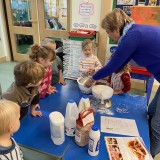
(34, 52)
(44, 52)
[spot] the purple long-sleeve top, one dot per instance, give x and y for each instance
(142, 44)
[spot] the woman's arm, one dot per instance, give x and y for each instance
(123, 55)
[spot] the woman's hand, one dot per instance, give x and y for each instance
(89, 82)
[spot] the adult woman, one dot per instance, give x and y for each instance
(142, 44)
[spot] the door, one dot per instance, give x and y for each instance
(32, 20)
(23, 26)
(54, 18)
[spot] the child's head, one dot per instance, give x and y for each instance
(49, 42)
(27, 72)
(126, 68)
(9, 117)
(42, 54)
(88, 47)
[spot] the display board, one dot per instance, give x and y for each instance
(146, 15)
(86, 14)
(142, 11)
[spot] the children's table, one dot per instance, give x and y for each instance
(34, 132)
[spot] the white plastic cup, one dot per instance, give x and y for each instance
(94, 141)
(57, 127)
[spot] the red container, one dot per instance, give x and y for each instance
(82, 33)
(140, 70)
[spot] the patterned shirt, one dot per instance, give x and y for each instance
(11, 153)
(120, 81)
(86, 62)
(46, 82)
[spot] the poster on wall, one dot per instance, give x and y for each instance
(144, 14)
(86, 14)
(126, 2)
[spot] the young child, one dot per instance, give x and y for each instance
(9, 118)
(45, 56)
(24, 91)
(57, 76)
(88, 63)
(120, 81)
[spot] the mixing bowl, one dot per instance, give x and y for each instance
(81, 81)
(102, 92)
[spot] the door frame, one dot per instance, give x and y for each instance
(33, 31)
(44, 32)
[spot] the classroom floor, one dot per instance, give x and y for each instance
(6, 78)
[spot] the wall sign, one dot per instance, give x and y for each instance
(86, 14)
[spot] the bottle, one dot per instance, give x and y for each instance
(70, 118)
(84, 103)
(94, 141)
(82, 133)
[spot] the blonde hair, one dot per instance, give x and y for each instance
(28, 72)
(86, 42)
(45, 52)
(45, 41)
(115, 19)
(8, 114)
(126, 68)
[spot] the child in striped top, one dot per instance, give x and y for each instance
(88, 63)
(9, 118)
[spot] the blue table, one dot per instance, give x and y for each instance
(141, 73)
(134, 108)
(34, 132)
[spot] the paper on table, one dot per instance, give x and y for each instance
(119, 126)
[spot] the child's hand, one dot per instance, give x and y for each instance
(37, 106)
(62, 82)
(52, 89)
(91, 71)
(34, 112)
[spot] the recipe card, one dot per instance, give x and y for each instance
(119, 126)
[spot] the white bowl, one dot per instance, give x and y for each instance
(81, 81)
(102, 92)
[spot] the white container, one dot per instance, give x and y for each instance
(70, 118)
(94, 141)
(81, 81)
(84, 103)
(57, 127)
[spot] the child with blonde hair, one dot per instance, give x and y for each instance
(24, 91)
(9, 124)
(57, 76)
(88, 63)
(45, 56)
